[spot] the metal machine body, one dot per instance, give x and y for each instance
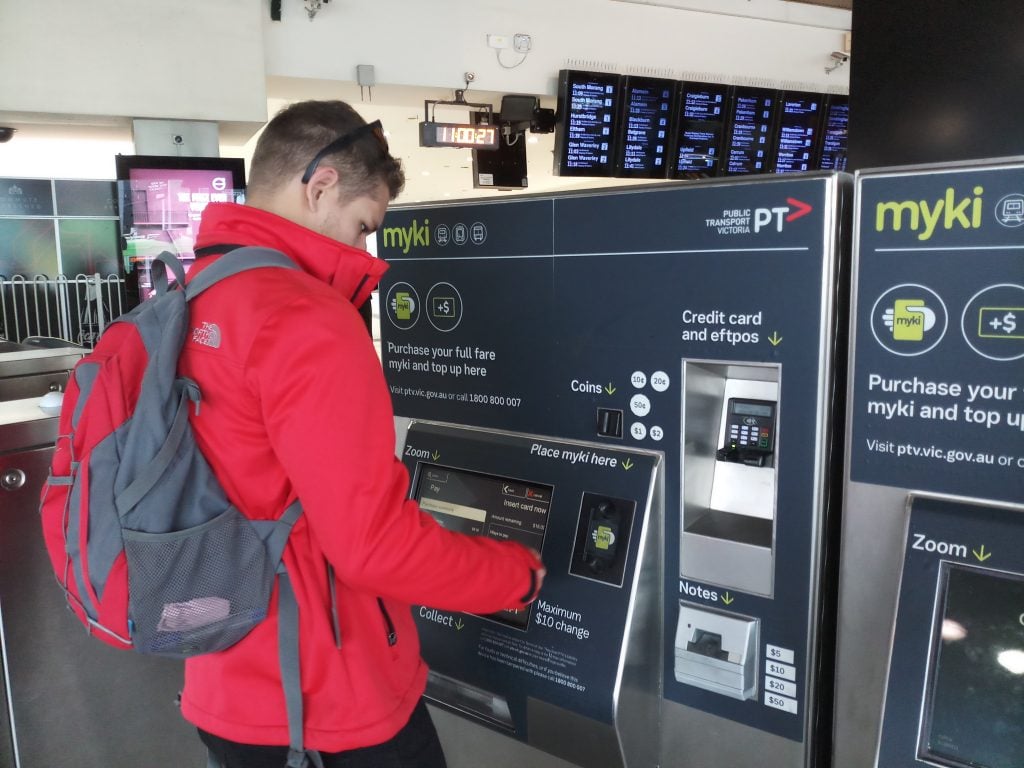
(934, 480)
(697, 321)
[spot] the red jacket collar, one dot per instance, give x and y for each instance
(352, 271)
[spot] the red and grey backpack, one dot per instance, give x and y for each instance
(148, 549)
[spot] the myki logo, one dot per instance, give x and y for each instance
(793, 210)
(923, 217)
(405, 238)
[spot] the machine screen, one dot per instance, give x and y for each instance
(974, 711)
(487, 505)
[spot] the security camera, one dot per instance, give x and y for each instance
(840, 56)
(178, 139)
(6, 134)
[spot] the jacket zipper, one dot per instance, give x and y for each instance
(335, 622)
(392, 635)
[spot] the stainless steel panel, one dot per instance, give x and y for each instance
(28, 372)
(71, 700)
(727, 563)
(873, 539)
(695, 739)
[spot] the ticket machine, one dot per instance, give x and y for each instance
(696, 321)
(930, 637)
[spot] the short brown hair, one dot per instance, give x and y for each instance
(295, 135)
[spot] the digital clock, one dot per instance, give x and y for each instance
(459, 135)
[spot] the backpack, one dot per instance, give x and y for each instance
(148, 549)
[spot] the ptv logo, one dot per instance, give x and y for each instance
(764, 217)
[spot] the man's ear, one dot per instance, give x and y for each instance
(324, 178)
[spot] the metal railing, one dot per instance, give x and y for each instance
(75, 309)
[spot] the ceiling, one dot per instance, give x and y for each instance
(431, 173)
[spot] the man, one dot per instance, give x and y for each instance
(295, 406)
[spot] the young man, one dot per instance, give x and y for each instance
(295, 406)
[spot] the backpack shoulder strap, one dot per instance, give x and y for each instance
(233, 262)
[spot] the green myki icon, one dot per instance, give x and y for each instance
(403, 305)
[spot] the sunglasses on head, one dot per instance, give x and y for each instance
(370, 129)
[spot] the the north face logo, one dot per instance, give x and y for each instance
(208, 334)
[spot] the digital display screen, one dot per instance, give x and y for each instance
(161, 200)
(751, 409)
(702, 112)
(799, 132)
(645, 128)
(487, 505)
(459, 135)
(588, 103)
(834, 134)
(974, 703)
(751, 130)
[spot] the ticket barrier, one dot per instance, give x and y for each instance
(577, 674)
(124, 705)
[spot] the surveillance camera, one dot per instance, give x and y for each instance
(178, 139)
(840, 55)
(6, 133)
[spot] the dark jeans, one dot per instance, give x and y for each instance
(415, 746)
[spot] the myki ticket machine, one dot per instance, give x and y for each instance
(930, 638)
(955, 689)
(576, 674)
(694, 320)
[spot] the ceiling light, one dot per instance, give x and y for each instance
(1012, 660)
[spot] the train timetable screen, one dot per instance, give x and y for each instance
(487, 505)
(974, 704)
(701, 122)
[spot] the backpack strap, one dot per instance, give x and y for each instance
(170, 261)
(288, 657)
(233, 262)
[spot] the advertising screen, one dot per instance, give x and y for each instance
(486, 505)
(974, 704)
(752, 125)
(799, 134)
(699, 130)
(161, 200)
(645, 127)
(585, 135)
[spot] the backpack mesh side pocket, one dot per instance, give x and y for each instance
(198, 590)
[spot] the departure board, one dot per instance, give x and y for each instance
(588, 104)
(834, 134)
(700, 125)
(796, 144)
(751, 130)
(645, 127)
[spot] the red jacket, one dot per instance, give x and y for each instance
(295, 404)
